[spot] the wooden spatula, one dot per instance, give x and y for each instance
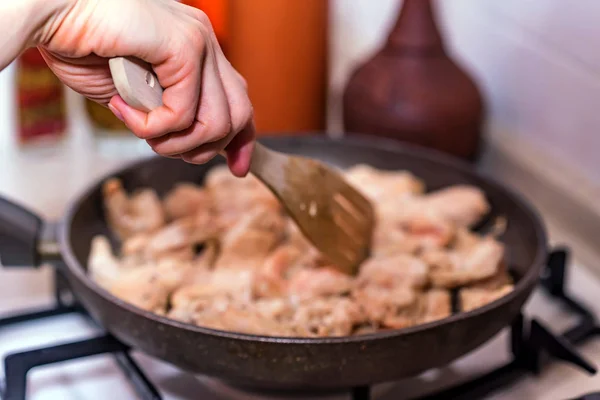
(336, 218)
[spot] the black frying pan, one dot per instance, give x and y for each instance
(287, 362)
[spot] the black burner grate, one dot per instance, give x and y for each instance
(536, 345)
(532, 345)
(17, 365)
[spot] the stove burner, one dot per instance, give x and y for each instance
(532, 345)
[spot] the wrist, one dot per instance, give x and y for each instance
(23, 23)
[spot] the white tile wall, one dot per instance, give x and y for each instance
(537, 61)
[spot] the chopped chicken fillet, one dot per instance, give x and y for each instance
(238, 318)
(499, 279)
(103, 266)
(234, 197)
(380, 303)
(462, 205)
(187, 200)
(148, 287)
(423, 227)
(271, 278)
(224, 255)
(452, 269)
(428, 307)
(314, 282)
(401, 270)
(381, 186)
(129, 215)
(472, 298)
(390, 239)
(176, 241)
(250, 241)
(332, 316)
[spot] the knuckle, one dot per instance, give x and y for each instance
(217, 130)
(242, 115)
(184, 120)
(196, 36)
(201, 16)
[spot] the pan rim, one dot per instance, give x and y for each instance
(434, 156)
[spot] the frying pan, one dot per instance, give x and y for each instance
(271, 362)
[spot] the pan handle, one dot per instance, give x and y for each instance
(20, 235)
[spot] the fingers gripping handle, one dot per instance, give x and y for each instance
(136, 83)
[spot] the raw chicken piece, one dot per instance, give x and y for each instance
(472, 298)
(190, 310)
(184, 313)
(379, 303)
(380, 186)
(176, 240)
(274, 309)
(241, 319)
(234, 197)
(436, 304)
(234, 283)
(177, 235)
(429, 306)
(128, 216)
(147, 210)
(429, 230)
(251, 240)
(186, 200)
(331, 316)
(499, 279)
(451, 269)
(461, 204)
(135, 245)
(195, 297)
(148, 287)
(103, 266)
(311, 283)
(390, 239)
(424, 227)
(270, 279)
(465, 240)
(400, 270)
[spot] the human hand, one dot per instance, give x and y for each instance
(205, 102)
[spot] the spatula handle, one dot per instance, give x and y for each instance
(136, 83)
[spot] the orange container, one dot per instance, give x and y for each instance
(280, 47)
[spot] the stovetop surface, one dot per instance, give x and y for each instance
(99, 377)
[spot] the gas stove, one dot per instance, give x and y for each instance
(60, 352)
